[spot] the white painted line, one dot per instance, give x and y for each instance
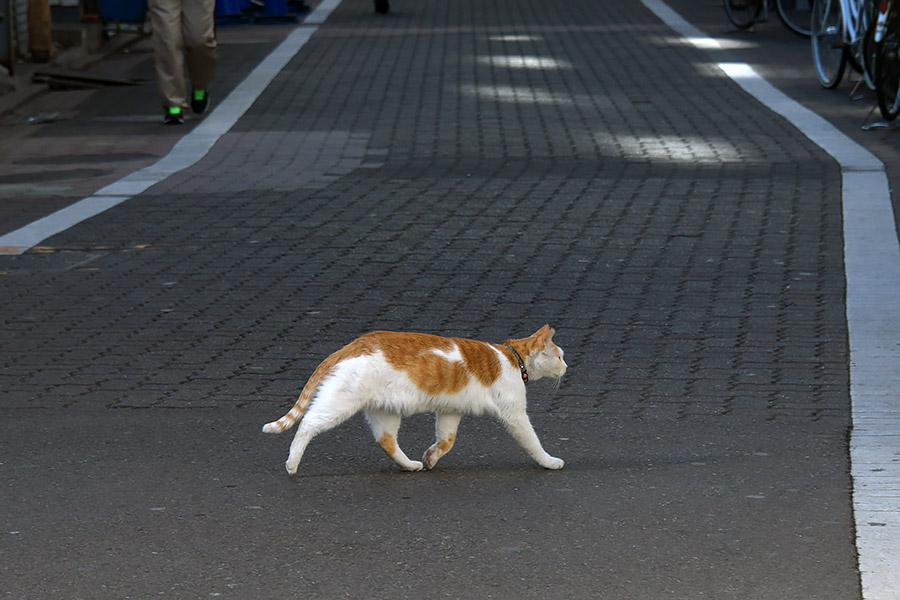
(318, 16)
(848, 154)
(187, 152)
(872, 262)
(872, 269)
(34, 233)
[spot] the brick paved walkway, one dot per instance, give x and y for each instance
(477, 169)
(694, 248)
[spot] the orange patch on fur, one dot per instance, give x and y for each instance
(432, 372)
(481, 360)
(445, 445)
(388, 444)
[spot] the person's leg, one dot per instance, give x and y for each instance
(199, 34)
(168, 58)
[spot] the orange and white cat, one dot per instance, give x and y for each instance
(390, 375)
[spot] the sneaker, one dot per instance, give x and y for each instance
(199, 101)
(173, 116)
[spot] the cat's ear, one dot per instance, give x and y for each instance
(544, 335)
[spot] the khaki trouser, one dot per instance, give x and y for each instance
(183, 34)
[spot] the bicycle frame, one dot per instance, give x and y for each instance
(884, 11)
(852, 13)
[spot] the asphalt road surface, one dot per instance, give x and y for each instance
(473, 169)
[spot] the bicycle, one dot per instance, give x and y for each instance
(887, 59)
(842, 32)
(795, 14)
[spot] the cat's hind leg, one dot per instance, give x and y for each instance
(445, 426)
(385, 427)
(520, 427)
(327, 411)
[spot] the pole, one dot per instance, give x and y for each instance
(40, 30)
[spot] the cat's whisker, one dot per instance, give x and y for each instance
(556, 383)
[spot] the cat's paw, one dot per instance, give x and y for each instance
(291, 469)
(554, 463)
(414, 465)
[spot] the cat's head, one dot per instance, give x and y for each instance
(546, 357)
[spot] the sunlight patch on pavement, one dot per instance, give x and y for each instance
(670, 148)
(524, 62)
(516, 94)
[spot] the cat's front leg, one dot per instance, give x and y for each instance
(445, 426)
(520, 427)
(385, 427)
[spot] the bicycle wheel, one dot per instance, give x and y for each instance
(828, 52)
(887, 72)
(860, 51)
(796, 15)
(742, 13)
(868, 51)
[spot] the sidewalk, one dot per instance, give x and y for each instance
(101, 135)
(473, 169)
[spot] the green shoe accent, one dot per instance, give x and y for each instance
(199, 101)
(173, 116)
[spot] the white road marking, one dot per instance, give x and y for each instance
(872, 269)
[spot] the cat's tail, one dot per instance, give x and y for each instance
(296, 412)
(288, 420)
(306, 396)
(299, 408)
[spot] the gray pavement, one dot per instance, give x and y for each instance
(416, 172)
